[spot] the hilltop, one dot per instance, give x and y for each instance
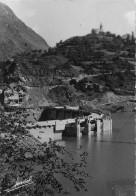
(107, 57)
(90, 71)
(15, 36)
(97, 46)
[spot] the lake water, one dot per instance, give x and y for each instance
(111, 159)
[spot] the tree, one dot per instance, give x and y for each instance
(133, 36)
(93, 32)
(108, 33)
(73, 82)
(128, 39)
(20, 159)
(22, 156)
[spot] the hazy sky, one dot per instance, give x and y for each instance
(57, 20)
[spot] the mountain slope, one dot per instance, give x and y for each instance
(15, 36)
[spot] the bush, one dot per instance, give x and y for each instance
(73, 82)
(20, 158)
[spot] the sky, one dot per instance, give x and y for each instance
(57, 20)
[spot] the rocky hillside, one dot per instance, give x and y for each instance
(15, 36)
(106, 62)
(79, 71)
(44, 77)
(50, 80)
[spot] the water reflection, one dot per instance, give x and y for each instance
(104, 136)
(78, 142)
(111, 158)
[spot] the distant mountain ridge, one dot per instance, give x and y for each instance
(15, 36)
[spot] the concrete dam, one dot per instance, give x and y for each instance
(57, 122)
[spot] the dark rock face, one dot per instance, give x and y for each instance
(15, 36)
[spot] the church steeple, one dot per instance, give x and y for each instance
(101, 27)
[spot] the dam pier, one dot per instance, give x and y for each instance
(87, 126)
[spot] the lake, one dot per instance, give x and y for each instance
(111, 159)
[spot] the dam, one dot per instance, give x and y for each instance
(60, 121)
